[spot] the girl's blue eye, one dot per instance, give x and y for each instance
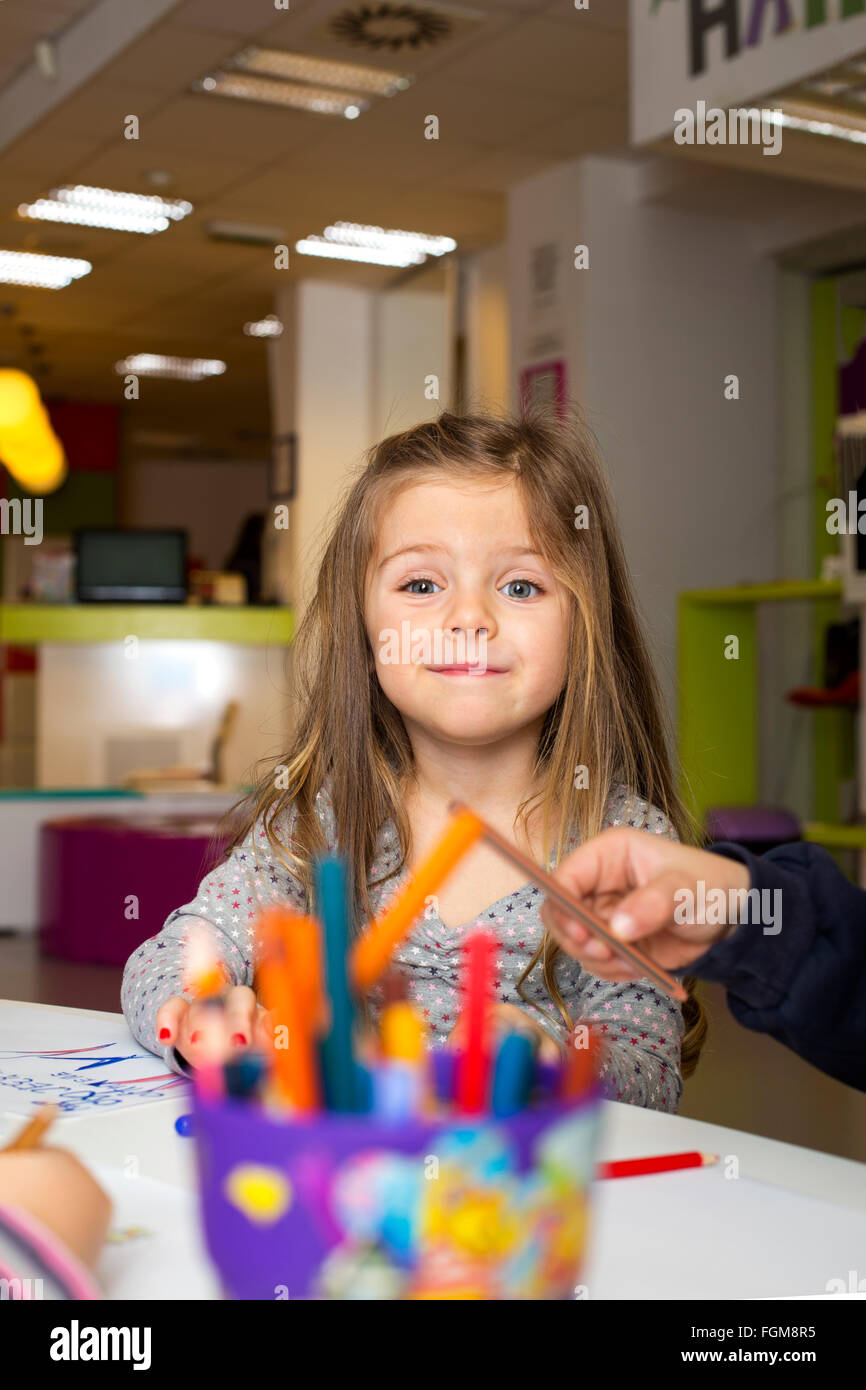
(525, 584)
(409, 589)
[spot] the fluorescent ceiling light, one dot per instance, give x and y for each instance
(814, 123)
(351, 241)
(269, 327)
(831, 86)
(42, 272)
(357, 234)
(325, 101)
(180, 368)
(351, 77)
(318, 246)
(102, 207)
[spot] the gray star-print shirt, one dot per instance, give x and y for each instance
(640, 1026)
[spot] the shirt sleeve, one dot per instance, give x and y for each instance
(35, 1263)
(639, 1026)
(799, 972)
(228, 901)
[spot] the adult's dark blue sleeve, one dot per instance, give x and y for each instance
(805, 985)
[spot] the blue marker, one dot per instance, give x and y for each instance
(444, 1067)
(397, 1090)
(512, 1074)
(339, 1068)
(244, 1074)
(183, 1125)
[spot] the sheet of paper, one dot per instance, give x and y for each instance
(697, 1234)
(82, 1064)
(154, 1249)
(670, 1236)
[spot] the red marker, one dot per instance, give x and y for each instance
(473, 1063)
(662, 1163)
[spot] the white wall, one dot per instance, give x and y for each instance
(209, 497)
(670, 304)
(487, 331)
(413, 342)
(349, 369)
(89, 694)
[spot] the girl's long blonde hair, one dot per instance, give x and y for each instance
(606, 718)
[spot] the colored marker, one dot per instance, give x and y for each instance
(581, 1064)
(444, 1062)
(663, 1163)
(473, 1063)
(512, 1074)
(244, 1075)
(370, 955)
(337, 1056)
(290, 986)
(205, 978)
(398, 1080)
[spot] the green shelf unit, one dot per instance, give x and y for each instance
(718, 697)
(27, 624)
(835, 836)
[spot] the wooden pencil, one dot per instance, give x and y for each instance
(573, 906)
(31, 1135)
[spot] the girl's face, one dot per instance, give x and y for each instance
(468, 626)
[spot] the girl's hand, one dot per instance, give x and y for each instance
(631, 880)
(508, 1018)
(190, 1027)
(53, 1186)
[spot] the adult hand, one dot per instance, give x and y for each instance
(634, 882)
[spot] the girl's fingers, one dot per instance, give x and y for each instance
(170, 1018)
(241, 1008)
(263, 1029)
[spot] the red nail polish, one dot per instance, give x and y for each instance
(195, 1036)
(238, 1039)
(164, 1034)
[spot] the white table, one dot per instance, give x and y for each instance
(694, 1234)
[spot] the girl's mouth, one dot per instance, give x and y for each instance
(466, 670)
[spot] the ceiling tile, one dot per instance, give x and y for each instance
(169, 57)
(608, 14)
(244, 17)
(541, 55)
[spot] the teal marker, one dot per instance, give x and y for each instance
(339, 1067)
(512, 1074)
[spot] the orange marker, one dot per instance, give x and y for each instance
(289, 976)
(579, 1071)
(206, 979)
(370, 955)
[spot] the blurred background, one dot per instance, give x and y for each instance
(242, 240)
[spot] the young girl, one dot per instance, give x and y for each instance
(473, 635)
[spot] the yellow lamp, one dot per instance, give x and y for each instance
(28, 445)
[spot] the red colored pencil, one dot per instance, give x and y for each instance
(662, 1163)
(473, 1063)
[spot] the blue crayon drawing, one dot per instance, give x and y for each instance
(61, 1077)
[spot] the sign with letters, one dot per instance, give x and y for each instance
(727, 53)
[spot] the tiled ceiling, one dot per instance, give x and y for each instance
(521, 84)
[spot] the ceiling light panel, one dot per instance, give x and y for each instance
(324, 101)
(177, 368)
(41, 272)
(352, 241)
(103, 207)
(349, 77)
